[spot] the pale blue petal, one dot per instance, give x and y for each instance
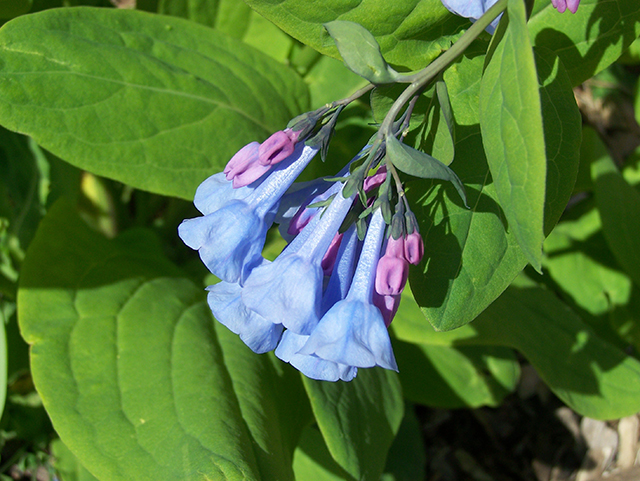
(287, 291)
(216, 191)
(343, 270)
(352, 333)
(311, 366)
(226, 304)
(229, 241)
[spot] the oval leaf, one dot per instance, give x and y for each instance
(470, 257)
(360, 51)
(156, 102)
(126, 358)
(419, 164)
(359, 419)
(619, 207)
(512, 133)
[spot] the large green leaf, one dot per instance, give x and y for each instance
(512, 133)
(359, 419)
(157, 102)
(470, 254)
(586, 371)
(449, 376)
(619, 207)
(590, 40)
(136, 379)
(411, 33)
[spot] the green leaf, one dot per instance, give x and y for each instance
(360, 51)
(312, 459)
(470, 257)
(419, 164)
(449, 376)
(13, 8)
(582, 266)
(406, 460)
(590, 40)
(126, 358)
(447, 114)
(618, 203)
(596, 379)
(512, 133)
(110, 80)
(67, 464)
(410, 33)
(262, 35)
(358, 419)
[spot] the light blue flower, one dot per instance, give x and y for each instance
(473, 10)
(230, 238)
(225, 301)
(289, 290)
(311, 366)
(353, 331)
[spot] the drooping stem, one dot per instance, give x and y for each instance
(422, 78)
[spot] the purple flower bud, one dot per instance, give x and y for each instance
(375, 180)
(395, 247)
(562, 5)
(276, 148)
(243, 168)
(391, 275)
(329, 258)
(413, 248)
(388, 306)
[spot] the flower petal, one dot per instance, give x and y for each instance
(352, 333)
(226, 304)
(311, 366)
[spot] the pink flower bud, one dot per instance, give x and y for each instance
(329, 259)
(243, 168)
(413, 248)
(375, 180)
(300, 220)
(276, 148)
(388, 306)
(395, 247)
(391, 275)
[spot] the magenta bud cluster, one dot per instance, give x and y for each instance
(254, 160)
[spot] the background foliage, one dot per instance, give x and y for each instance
(112, 117)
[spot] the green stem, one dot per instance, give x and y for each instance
(422, 78)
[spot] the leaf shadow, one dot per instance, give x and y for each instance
(599, 26)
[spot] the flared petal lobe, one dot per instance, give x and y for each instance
(258, 334)
(311, 366)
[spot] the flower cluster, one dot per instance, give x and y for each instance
(325, 303)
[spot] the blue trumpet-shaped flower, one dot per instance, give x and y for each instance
(231, 236)
(289, 290)
(225, 301)
(313, 366)
(353, 331)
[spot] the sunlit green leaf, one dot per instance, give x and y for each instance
(127, 359)
(512, 133)
(411, 33)
(359, 419)
(110, 81)
(360, 51)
